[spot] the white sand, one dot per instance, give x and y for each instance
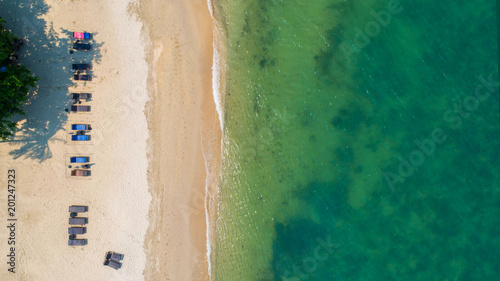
(117, 192)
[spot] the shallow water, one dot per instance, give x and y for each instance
(355, 144)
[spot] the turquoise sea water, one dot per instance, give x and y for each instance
(361, 141)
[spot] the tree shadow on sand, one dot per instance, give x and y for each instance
(47, 54)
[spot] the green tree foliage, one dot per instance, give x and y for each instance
(15, 81)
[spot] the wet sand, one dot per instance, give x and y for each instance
(184, 129)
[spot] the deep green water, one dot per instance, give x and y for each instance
(353, 158)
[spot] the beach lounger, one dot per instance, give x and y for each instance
(80, 108)
(81, 35)
(79, 159)
(113, 264)
(80, 66)
(81, 77)
(77, 230)
(81, 96)
(114, 256)
(77, 242)
(78, 209)
(80, 173)
(80, 127)
(80, 138)
(78, 221)
(81, 46)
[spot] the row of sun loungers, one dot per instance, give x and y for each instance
(77, 68)
(81, 132)
(113, 260)
(79, 75)
(77, 224)
(76, 97)
(74, 220)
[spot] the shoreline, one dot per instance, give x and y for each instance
(219, 69)
(185, 137)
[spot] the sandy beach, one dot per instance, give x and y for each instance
(185, 130)
(153, 124)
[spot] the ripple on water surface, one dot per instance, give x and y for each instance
(319, 129)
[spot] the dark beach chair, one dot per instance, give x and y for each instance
(80, 108)
(78, 221)
(114, 256)
(78, 209)
(80, 173)
(80, 138)
(81, 77)
(79, 159)
(81, 46)
(113, 264)
(77, 242)
(81, 96)
(77, 230)
(81, 127)
(81, 35)
(80, 66)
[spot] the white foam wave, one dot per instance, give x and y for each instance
(207, 218)
(217, 89)
(216, 80)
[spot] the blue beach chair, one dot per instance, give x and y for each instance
(79, 159)
(80, 137)
(80, 127)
